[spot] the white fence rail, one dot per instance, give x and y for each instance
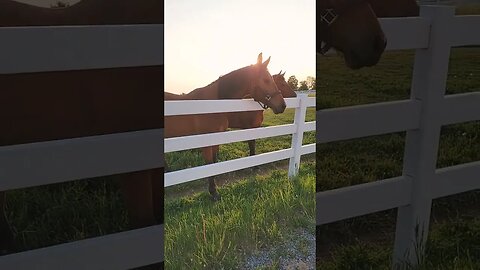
(39, 49)
(301, 103)
(433, 35)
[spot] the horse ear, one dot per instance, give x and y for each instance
(259, 59)
(280, 73)
(265, 64)
(284, 73)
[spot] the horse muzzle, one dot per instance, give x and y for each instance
(278, 108)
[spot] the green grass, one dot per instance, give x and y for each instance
(469, 9)
(366, 242)
(454, 244)
(255, 212)
(55, 214)
(257, 209)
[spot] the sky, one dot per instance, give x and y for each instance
(209, 38)
(205, 39)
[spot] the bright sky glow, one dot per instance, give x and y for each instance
(209, 38)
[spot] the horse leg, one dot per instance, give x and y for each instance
(7, 244)
(137, 191)
(210, 157)
(251, 146)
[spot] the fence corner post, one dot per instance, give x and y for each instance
(297, 137)
(421, 145)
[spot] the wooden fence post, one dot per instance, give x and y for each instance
(297, 137)
(421, 146)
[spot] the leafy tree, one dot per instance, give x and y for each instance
(311, 82)
(293, 82)
(303, 85)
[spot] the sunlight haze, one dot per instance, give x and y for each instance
(207, 39)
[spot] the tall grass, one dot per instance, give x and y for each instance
(258, 208)
(255, 212)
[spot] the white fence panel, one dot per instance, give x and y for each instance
(190, 174)
(434, 33)
(60, 48)
(116, 251)
(460, 108)
(406, 33)
(356, 121)
(184, 107)
(456, 179)
(29, 165)
(197, 141)
(362, 199)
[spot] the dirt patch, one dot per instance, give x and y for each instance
(296, 253)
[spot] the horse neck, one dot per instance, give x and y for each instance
(85, 12)
(171, 96)
(236, 84)
(208, 92)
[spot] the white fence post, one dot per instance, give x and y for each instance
(297, 137)
(421, 147)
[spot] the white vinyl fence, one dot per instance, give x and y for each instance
(301, 103)
(422, 116)
(38, 49)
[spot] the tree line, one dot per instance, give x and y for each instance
(308, 84)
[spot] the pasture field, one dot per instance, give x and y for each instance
(259, 208)
(191, 158)
(265, 207)
(256, 212)
(60, 213)
(366, 242)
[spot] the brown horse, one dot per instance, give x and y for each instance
(254, 119)
(254, 81)
(46, 106)
(352, 28)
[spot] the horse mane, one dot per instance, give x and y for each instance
(230, 84)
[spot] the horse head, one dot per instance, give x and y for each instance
(283, 86)
(265, 91)
(352, 28)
